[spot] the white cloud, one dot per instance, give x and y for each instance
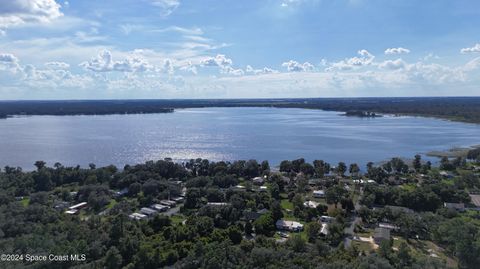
(249, 69)
(224, 63)
(57, 65)
(9, 62)
(168, 67)
(399, 50)
(473, 49)
(393, 65)
(472, 65)
(167, 6)
(16, 12)
(365, 59)
(181, 30)
(189, 67)
(220, 60)
(232, 71)
(294, 66)
(104, 63)
(8, 58)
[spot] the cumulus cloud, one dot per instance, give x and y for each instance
(104, 63)
(294, 66)
(8, 58)
(13, 74)
(366, 58)
(220, 61)
(16, 12)
(224, 63)
(393, 65)
(9, 62)
(232, 71)
(167, 6)
(473, 49)
(399, 50)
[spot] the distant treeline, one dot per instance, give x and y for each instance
(59, 108)
(465, 109)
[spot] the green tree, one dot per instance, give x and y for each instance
(275, 190)
(354, 169)
(264, 225)
(385, 249)
(235, 234)
(313, 229)
(403, 255)
(417, 162)
(341, 169)
(113, 259)
(297, 243)
(335, 194)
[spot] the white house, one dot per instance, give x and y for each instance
(137, 216)
(319, 194)
(310, 204)
(258, 180)
(289, 225)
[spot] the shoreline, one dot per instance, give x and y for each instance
(452, 152)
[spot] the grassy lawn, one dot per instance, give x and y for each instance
(362, 246)
(112, 203)
(286, 204)
(177, 219)
(25, 202)
(409, 187)
(422, 248)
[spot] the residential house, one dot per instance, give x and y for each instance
(148, 211)
(381, 234)
(137, 216)
(289, 225)
(258, 180)
(168, 203)
(388, 226)
(159, 207)
(318, 194)
(456, 206)
(327, 219)
(310, 204)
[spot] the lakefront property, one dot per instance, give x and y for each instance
(296, 134)
(164, 201)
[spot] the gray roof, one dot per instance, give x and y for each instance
(382, 233)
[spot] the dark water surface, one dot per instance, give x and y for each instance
(224, 134)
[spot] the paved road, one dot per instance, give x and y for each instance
(349, 231)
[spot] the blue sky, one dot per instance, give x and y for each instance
(107, 49)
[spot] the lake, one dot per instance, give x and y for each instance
(273, 134)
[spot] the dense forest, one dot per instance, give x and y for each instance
(227, 215)
(465, 109)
